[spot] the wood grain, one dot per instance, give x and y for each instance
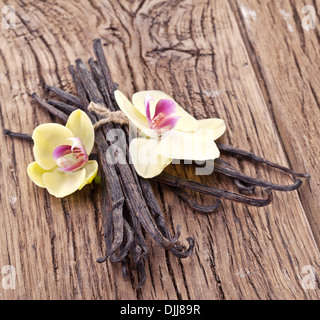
(212, 61)
(287, 65)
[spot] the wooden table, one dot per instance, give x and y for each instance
(251, 63)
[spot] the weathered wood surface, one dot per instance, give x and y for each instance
(247, 62)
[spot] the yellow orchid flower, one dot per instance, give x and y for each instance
(169, 132)
(62, 163)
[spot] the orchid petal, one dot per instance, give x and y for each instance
(78, 148)
(146, 161)
(167, 123)
(35, 172)
(71, 158)
(166, 107)
(138, 119)
(138, 100)
(81, 126)
(91, 168)
(188, 146)
(61, 151)
(70, 166)
(187, 123)
(217, 126)
(147, 108)
(47, 137)
(61, 184)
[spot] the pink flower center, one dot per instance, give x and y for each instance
(157, 120)
(165, 116)
(71, 158)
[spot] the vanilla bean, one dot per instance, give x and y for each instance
(115, 213)
(212, 191)
(139, 238)
(157, 215)
(101, 73)
(225, 168)
(126, 248)
(66, 108)
(244, 188)
(136, 253)
(65, 96)
(80, 89)
(100, 80)
(135, 200)
(141, 274)
(88, 83)
(59, 114)
(154, 207)
(138, 264)
(137, 229)
(117, 209)
(102, 62)
(123, 249)
(125, 268)
(22, 136)
(250, 155)
(198, 207)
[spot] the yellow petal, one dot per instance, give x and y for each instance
(216, 126)
(46, 138)
(133, 115)
(188, 146)
(81, 126)
(146, 161)
(61, 184)
(139, 97)
(187, 123)
(35, 173)
(91, 172)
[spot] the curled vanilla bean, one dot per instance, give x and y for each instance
(212, 191)
(244, 188)
(250, 155)
(122, 250)
(226, 169)
(129, 238)
(195, 206)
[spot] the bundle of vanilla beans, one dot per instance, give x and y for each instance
(129, 207)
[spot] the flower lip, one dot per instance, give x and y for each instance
(165, 117)
(71, 158)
